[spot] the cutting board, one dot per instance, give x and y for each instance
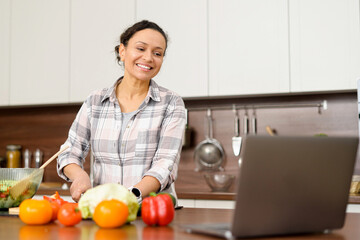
(14, 211)
(52, 185)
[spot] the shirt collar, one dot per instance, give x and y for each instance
(110, 92)
(153, 93)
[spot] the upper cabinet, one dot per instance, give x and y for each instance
(60, 51)
(283, 46)
(184, 69)
(95, 31)
(248, 47)
(4, 51)
(324, 44)
(39, 65)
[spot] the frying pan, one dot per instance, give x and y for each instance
(209, 154)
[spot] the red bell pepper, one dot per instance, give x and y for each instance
(157, 209)
(55, 198)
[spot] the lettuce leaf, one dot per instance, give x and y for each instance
(108, 191)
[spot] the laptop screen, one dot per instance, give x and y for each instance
(358, 97)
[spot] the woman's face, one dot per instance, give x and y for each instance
(143, 55)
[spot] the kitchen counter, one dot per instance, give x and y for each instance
(11, 227)
(354, 198)
(181, 195)
(49, 189)
(206, 195)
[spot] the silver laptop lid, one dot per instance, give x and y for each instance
(289, 185)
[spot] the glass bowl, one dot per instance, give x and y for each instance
(9, 177)
(219, 182)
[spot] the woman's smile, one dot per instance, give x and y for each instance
(144, 67)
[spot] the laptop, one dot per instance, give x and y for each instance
(289, 185)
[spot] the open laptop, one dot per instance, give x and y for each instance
(289, 185)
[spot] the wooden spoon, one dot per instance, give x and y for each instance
(22, 185)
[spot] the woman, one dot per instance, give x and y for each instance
(134, 128)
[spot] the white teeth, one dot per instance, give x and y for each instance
(143, 66)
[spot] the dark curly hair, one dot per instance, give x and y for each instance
(129, 33)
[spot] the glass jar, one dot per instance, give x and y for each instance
(26, 158)
(13, 156)
(2, 162)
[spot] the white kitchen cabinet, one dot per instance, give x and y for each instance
(4, 51)
(202, 203)
(222, 204)
(39, 65)
(353, 208)
(248, 47)
(59, 51)
(324, 44)
(96, 27)
(187, 203)
(185, 65)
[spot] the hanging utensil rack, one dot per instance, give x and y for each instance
(319, 105)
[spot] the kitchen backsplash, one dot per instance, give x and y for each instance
(46, 127)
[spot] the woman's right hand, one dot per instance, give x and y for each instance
(79, 185)
(80, 180)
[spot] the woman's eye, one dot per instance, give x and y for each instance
(158, 54)
(140, 49)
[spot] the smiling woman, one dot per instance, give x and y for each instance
(142, 58)
(134, 128)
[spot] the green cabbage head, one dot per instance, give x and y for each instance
(108, 191)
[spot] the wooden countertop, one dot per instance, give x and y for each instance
(206, 195)
(11, 227)
(354, 198)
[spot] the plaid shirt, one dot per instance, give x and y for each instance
(150, 146)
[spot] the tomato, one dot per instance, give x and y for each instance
(69, 214)
(32, 211)
(110, 213)
(56, 203)
(55, 209)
